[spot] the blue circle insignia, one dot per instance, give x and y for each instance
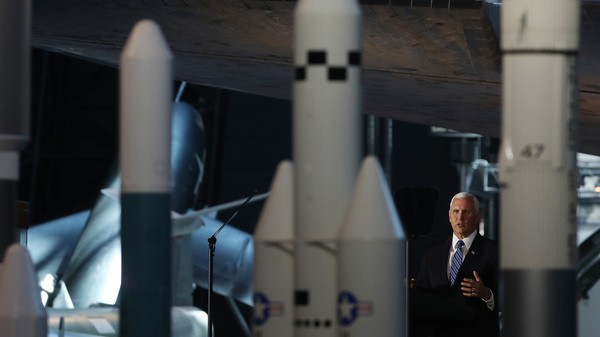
(261, 308)
(347, 308)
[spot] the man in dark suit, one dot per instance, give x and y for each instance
(462, 272)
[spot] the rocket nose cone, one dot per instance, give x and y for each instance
(16, 259)
(370, 164)
(276, 221)
(329, 6)
(371, 213)
(19, 290)
(146, 41)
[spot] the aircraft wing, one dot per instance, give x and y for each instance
(424, 65)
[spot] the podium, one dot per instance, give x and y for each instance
(430, 313)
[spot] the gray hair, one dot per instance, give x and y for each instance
(462, 195)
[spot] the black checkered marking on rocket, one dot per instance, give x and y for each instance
(334, 73)
(302, 298)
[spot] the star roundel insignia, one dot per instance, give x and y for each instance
(347, 308)
(261, 308)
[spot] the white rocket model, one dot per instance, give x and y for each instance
(368, 294)
(274, 259)
(145, 163)
(22, 313)
(372, 274)
(540, 40)
(326, 150)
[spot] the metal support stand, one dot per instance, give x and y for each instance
(211, 255)
(212, 241)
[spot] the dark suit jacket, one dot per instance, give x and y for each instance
(481, 257)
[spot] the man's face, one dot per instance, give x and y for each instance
(463, 217)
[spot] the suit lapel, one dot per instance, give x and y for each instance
(470, 258)
(440, 270)
(446, 256)
(474, 250)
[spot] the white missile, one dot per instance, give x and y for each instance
(274, 259)
(540, 41)
(326, 150)
(372, 275)
(145, 157)
(22, 313)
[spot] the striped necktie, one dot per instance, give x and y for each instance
(456, 261)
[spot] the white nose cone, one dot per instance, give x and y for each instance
(371, 213)
(276, 222)
(372, 259)
(274, 259)
(22, 313)
(146, 41)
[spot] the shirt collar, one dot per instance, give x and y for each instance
(468, 241)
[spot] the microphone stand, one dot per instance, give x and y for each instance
(211, 254)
